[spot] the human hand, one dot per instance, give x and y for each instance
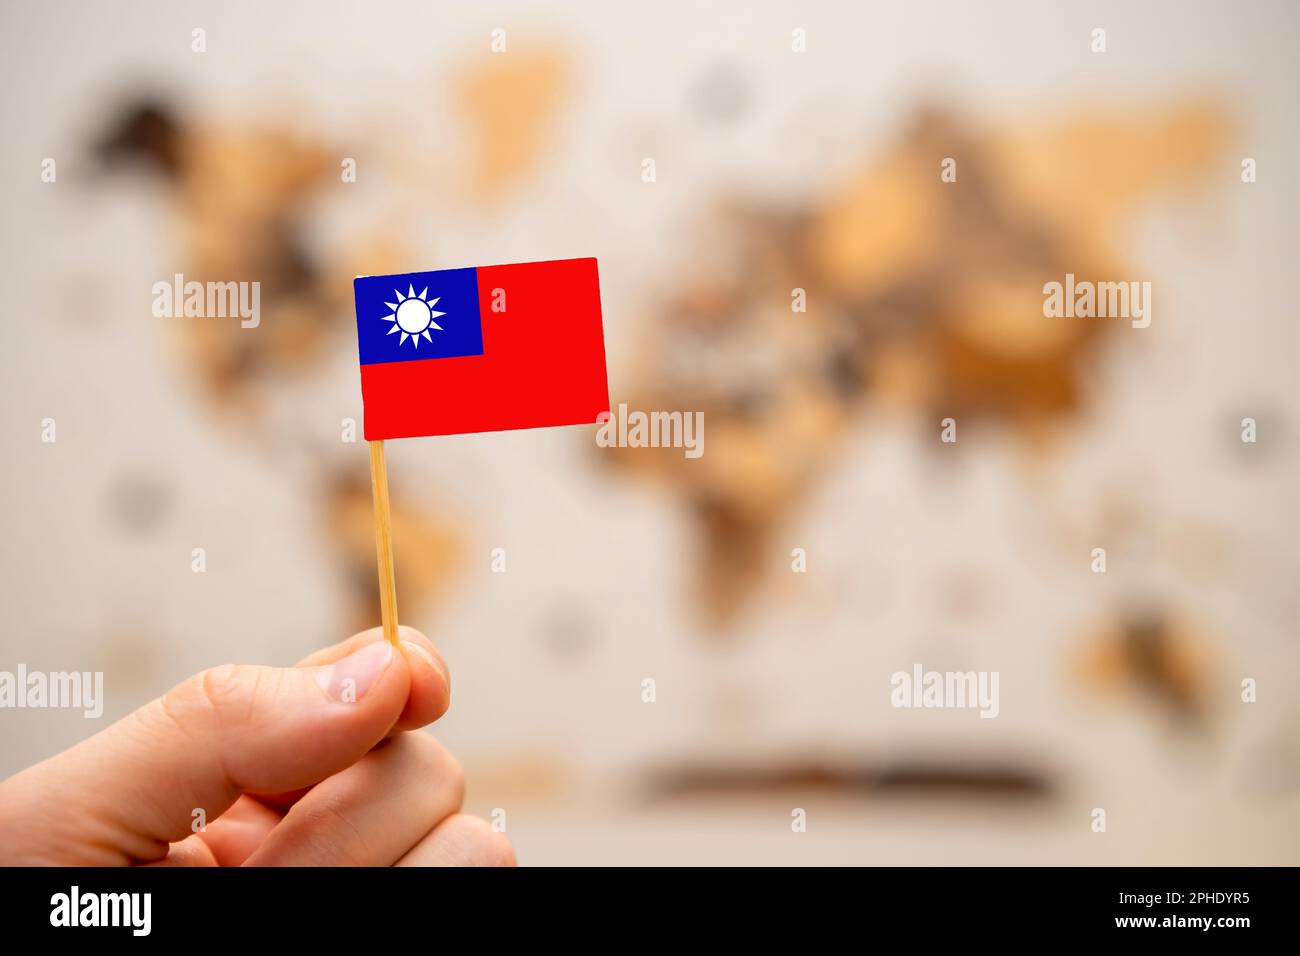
(296, 766)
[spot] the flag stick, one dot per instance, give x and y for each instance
(384, 542)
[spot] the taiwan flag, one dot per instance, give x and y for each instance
(480, 350)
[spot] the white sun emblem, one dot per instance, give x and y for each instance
(413, 316)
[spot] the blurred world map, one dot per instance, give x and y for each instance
(776, 171)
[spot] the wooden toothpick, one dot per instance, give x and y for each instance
(384, 542)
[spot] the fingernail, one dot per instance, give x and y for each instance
(349, 679)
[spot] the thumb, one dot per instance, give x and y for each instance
(123, 795)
